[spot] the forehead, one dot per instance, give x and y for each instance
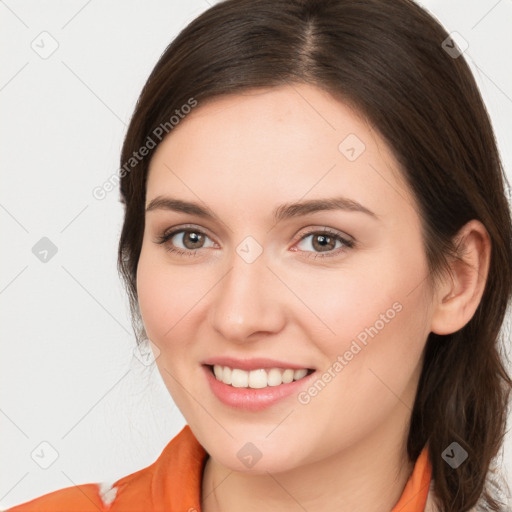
(281, 144)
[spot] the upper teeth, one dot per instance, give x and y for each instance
(257, 378)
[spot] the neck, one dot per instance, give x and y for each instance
(367, 477)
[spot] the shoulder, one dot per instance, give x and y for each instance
(174, 477)
(79, 498)
(100, 497)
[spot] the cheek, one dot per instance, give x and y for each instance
(340, 303)
(167, 295)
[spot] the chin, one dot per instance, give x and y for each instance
(256, 454)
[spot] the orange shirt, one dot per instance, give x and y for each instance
(173, 484)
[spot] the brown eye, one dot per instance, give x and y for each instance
(185, 241)
(325, 241)
(192, 239)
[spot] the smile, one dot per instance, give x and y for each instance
(259, 378)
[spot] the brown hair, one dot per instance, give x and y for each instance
(385, 58)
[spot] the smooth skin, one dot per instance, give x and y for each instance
(242, 156)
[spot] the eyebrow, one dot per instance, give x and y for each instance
(282, 212)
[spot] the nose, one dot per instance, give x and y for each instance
(248, 303)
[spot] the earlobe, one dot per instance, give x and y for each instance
(459, 295)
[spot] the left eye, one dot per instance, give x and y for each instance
(323, 241)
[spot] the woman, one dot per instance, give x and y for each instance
(318, 244)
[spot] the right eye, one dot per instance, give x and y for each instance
(184, 241)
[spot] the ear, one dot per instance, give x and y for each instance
(458, 295)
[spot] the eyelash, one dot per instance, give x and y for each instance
(348, 244)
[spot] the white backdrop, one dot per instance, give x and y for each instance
(71, 73)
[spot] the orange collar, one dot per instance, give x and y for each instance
(414, 495)
(173, 482)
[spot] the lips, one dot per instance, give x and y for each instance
(254, 384)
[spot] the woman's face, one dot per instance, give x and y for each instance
(257, 287)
